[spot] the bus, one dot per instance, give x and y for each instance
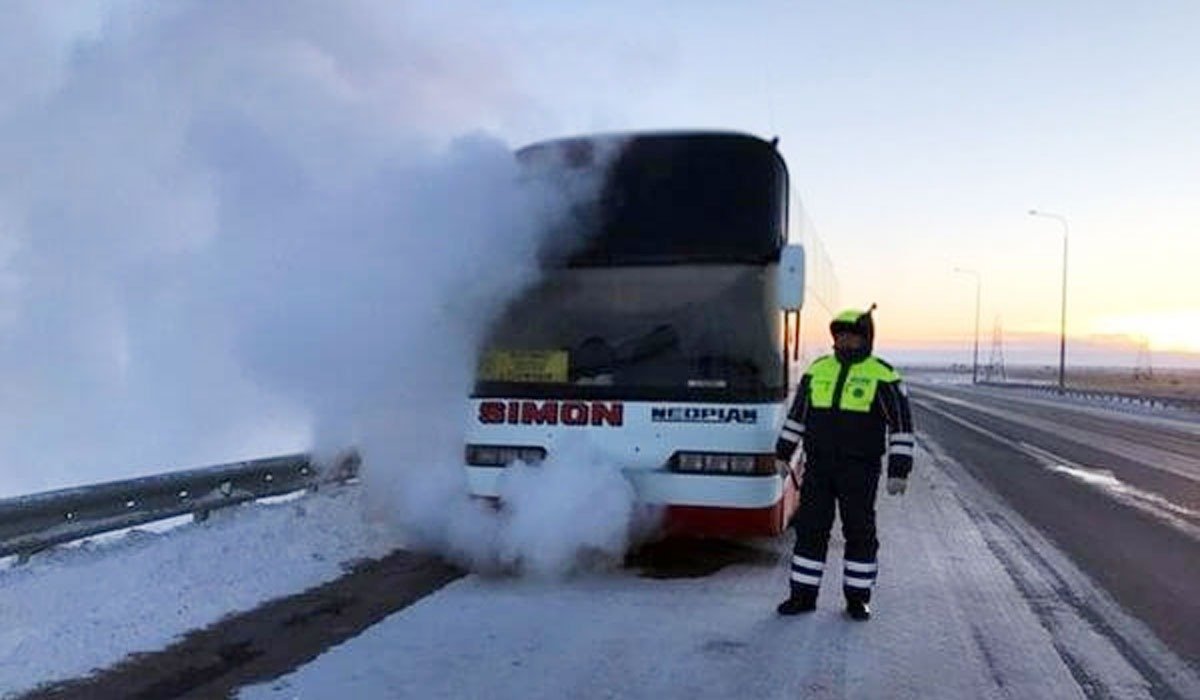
(665, 330)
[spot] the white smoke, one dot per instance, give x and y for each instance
(573, 512)
(230, 229)
(573, 492)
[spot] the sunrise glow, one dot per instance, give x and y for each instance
(1165, 331)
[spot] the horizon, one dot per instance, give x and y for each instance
(210, 200)
(919, 139)
(1041, 349)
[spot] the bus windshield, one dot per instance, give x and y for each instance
(680, 332)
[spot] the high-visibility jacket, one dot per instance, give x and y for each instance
(850, 410)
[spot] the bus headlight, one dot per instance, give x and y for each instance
(503, 455)
(723, 463)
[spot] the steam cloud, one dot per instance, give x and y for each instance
(228, 229)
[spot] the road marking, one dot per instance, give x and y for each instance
(1101, 480)
(1147, 455)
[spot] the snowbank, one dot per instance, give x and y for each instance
(71, 610)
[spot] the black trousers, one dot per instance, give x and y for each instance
(849, 485)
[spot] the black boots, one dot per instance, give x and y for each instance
(804, 601)
(858, 610)
(797, 603)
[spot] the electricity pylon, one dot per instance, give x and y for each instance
(995, 366)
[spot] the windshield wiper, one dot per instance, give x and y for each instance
(657, 342)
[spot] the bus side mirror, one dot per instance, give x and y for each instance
(791, 278)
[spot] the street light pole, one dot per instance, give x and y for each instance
(975, 356)
(1062, 338)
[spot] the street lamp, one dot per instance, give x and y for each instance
(1062, 339)
(975, 356)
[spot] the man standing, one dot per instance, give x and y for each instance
(846, 405)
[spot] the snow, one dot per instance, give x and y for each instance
(972, 602)
(963, 610)
(74, 609)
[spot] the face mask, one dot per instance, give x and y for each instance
(850, 351)
(848, 355)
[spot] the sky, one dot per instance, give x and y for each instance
(919, 135)
(228, 227)
(230, 232)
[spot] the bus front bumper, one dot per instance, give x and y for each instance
(718, 505)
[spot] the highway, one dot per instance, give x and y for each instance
(1118, 493)
(1044, 549)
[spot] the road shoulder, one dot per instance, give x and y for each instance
(1109, 652)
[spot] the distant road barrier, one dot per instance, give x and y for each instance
(1107, 396)
(29, 524)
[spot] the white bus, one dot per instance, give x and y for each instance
(665, 332)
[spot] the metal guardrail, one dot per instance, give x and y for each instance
(1109, 396)
(29, 524)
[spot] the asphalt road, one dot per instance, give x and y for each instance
(1119, 494)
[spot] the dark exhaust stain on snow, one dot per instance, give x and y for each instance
(269, 641)
(696, 558)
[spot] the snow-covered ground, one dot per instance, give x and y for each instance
(971, 603)
(74, 609)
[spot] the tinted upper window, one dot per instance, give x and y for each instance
(678, 198)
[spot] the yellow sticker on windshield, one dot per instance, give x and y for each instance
(524, 366)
